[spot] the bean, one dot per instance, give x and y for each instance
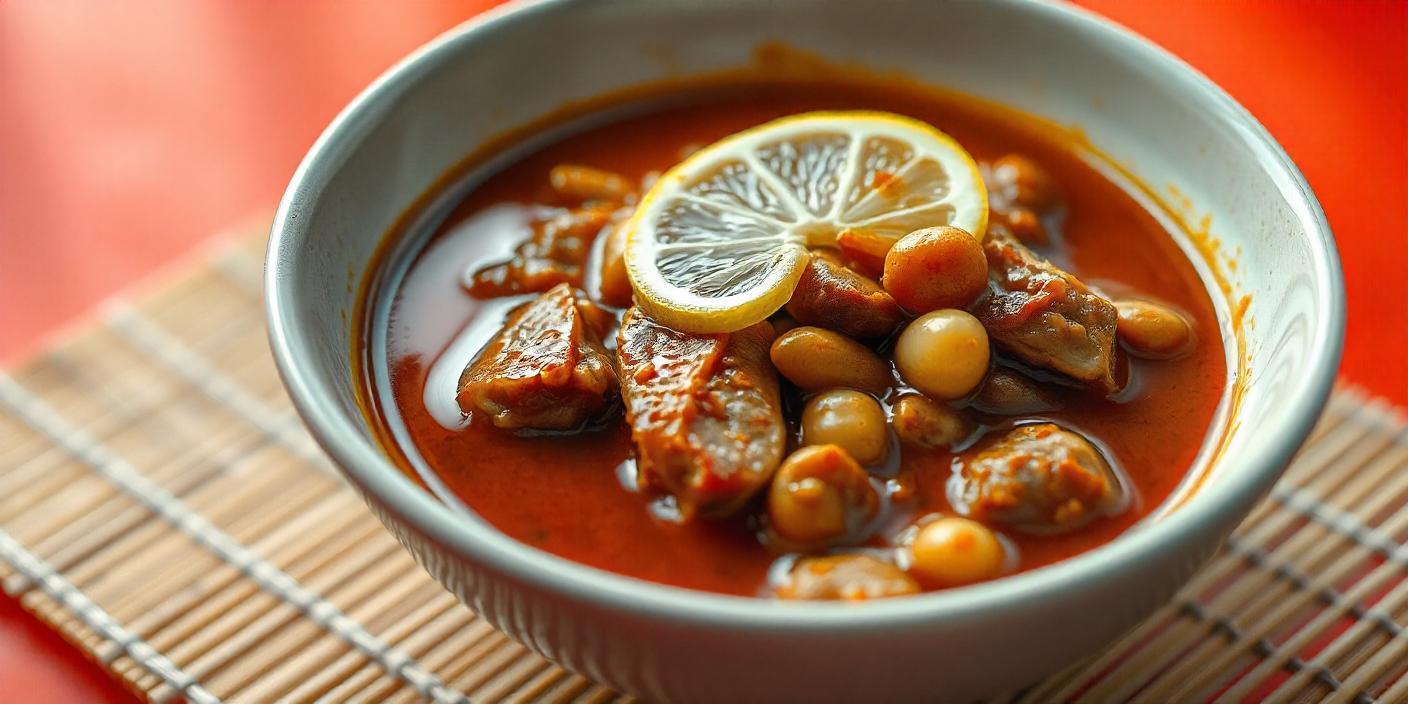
(1152, 330)
(943, 354)
(819, 497)
(815, 359)
(936, 267)
(852, 420)
(924, 422)
(584, 183)
(952, 552)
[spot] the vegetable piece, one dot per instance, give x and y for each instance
(815, 359)
(845, 578)
(615, 283)
(582, 184)
(1151, 330)
(1038, 478)
(924, 422)
(1007, 393)
(704, 411)
(952, 552)
(819, 498)
(936, 267)
(829, 295)
(852, 420)
(546, 369)
(943, 354)
(1046, 317)
(556, 253)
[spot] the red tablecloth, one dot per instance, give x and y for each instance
(128, 132)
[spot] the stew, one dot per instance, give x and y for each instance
(920, 412)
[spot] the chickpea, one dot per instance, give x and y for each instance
(615, 285)
(1152, 330)
(924, 422)
(852, 420)
(1026, 182)
(943, 354)
(952, 552)
(936, 267)
(816, 359)
(819, 497)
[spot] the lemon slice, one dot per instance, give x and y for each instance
(720, 240)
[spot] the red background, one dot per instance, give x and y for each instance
(129, 133)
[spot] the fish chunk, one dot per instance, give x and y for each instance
(546, 369)
(704, 410)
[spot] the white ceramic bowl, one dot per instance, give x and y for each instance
(1150, 112)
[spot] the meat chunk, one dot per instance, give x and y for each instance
(1038, 478)
(923, 422)
(1046, 317)
(704, 410)
(1008, 393)
(546, 369)
(556, 253)
(845, 578)
(829, 295)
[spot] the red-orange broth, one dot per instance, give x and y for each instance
(565, 494)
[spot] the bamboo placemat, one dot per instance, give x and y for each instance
(162, 506)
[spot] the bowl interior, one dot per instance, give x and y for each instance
(1152, 116)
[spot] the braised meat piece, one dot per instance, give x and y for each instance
(546, 369)
(829, 295)
(1008, 393)
(1038, 478)
(845, 578)
(1046, 317)
(556, 253)
(704, 410)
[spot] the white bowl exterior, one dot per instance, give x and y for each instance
(1150, 113)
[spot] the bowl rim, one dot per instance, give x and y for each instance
(367, 466)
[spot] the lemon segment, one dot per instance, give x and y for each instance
(720, 241)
